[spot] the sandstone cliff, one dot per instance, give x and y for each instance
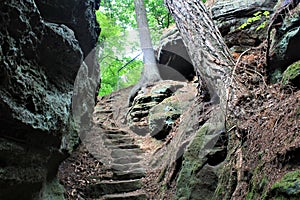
(43, 46)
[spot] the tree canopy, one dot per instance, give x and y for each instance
(119, 42)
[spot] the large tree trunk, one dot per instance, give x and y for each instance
(211, 58)
(205, 45)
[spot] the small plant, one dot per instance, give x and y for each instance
(258, 16)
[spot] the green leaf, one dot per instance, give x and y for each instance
(266, 13)
(257, 13)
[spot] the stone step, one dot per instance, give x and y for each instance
(116, 131)
(125, 167)
(127, 160)
(118, 141)
(109, 100)
(127, 175)
(103, 111)
(119, 153)
(116, 136)
(124, 146)
(126, 196)
(112, 187)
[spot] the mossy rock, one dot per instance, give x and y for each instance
(288, 187)
(162, 117)
(167, 88)
(292, 74)
(197, 180)
(53, 190)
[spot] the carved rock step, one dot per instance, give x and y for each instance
(125, 167)
(109, 100)
(119, 141)
(126, 196)
(115, 131)
(112, 187)
(116, 136)
(103, 111)
(119, 153)
(126, 160)
(131, 174)
(123, 146)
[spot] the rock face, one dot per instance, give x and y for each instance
(78, 16)
(230, 15)
(173, 60)
(148, 114)
(41, 53)
(292, 74)
(245, 24)
(284, 39)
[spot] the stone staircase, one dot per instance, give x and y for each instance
(117, 131)
(117, 150)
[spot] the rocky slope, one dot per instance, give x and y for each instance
(41, 53)
(256, 157)
(160, 147)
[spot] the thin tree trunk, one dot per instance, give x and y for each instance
(150, 73)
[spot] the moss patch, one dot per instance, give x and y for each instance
(197, 180)
(292, 74)
(288, 187)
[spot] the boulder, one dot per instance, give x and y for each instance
(174, 62)
(292, 74)
(284, 40)
(78, 15)
(198, 176)
(39, 62)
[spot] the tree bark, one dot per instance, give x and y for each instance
(211, 58)
(150, 73)
(205, 45)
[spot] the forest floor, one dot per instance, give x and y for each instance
(264, 120)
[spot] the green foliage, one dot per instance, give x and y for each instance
(123, 13)
(119, 40)
(112, 80)
(114, 54)
(257, 17)
(108, 27)
(158, 16)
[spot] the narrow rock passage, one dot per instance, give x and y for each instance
(119, 157)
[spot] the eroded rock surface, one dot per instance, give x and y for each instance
(230, 15)
(173, 60)
(39, 62)
(284, 39)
